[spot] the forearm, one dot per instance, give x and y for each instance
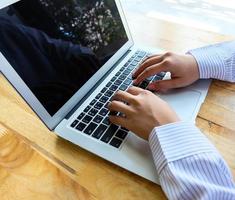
(216, 61)
(188, 165)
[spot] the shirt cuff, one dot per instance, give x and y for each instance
(176, 141)
(210, 62)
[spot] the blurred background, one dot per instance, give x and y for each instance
(210, 15)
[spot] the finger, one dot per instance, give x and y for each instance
(148, 62)
(150, 56)
(150, 71)
(135, 90)
(118, 120)
(165, 85)
(119, 107)
(122, 96)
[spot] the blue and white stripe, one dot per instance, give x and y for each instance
(216, 61)
(188, 165)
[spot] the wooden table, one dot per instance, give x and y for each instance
(36, 164)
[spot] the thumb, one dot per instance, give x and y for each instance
(165, 85)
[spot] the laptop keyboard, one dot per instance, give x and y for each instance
(94, 120)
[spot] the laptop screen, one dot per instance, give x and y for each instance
(56, 46)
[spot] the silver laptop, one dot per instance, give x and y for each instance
(67, 59)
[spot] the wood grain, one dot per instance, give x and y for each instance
(25, 174)
(103, 179)
(217, 119)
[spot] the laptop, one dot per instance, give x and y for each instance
(67, 59)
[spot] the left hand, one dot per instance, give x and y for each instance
(142, 111)
(183, 68)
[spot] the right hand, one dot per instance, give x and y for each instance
(183, 68)
(141, 111)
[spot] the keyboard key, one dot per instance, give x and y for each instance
(106, 121)
(125, 129)
(122, 69)
(109, 93)
(130, 59)
(126, 72)
(149, 78)
(81, 116)
(92, 102)
(143, 85)
(103, 90)
(90, 129)
(157, 78)
(87, 119)
(127, 63)
(87, 109)
(103, 111)
(108, 84)
(127, 82)
(131, 67)
(130, 77)
(74, 123)
(118, 73)
(134, 63)
(138, 59)
(81, 126)
(133, 56)
(109, 133)
(148, 54)
(142, 54)
(98, 96)
(162, 74)
(93, 112)
(121, 134)
(115, 142)
(99, 131)
(98, 119)
(122, 77)
(123, 87)
(118, 82)
(113, 79)
(98, 105)
(113, 87)
(104, 99)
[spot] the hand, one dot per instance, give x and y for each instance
(183, 68)
(141, 111)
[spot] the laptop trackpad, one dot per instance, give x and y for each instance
(184, 101)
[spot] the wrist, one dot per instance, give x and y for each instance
(174, 120)
(154, 130)
(209, 63)
(194, 66)
(169, 120)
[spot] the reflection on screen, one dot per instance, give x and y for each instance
(56, 46)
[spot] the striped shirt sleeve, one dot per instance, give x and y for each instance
(216, 61)
(188, 165)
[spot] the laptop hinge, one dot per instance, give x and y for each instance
(96, 85)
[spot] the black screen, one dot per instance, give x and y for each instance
(57, 45)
